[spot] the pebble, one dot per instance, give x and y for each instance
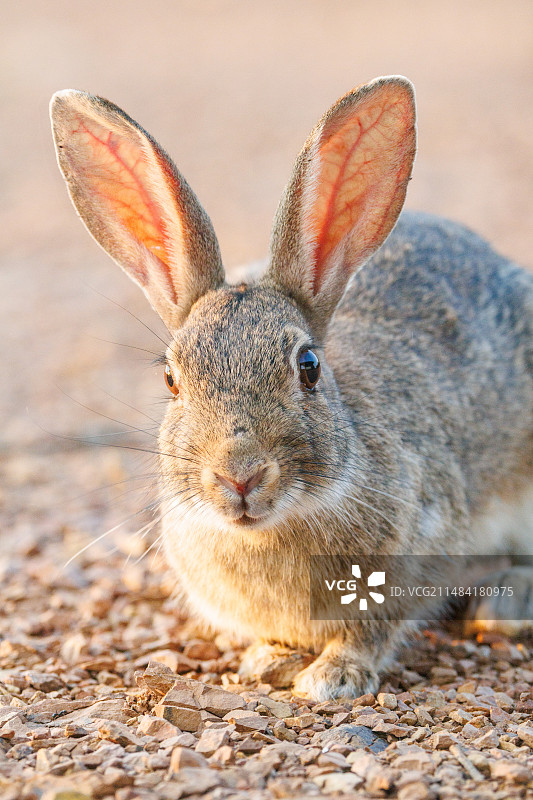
(159, 728)
(245, 720)
(219, 701)
(417, 790)
(442, 740)
(387, 700)
(44, 681)
(358, 736)
(276, 708)
(332, 759)
(336, 783)
(525, 732)
(212, 739)
(487, 740)
(510, 771)
(186, 719)
(415, 759)
(184, 757)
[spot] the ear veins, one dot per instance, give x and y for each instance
(349, 168)
(125, 189)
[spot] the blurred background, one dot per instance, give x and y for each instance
(231, 89)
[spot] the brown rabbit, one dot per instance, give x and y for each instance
(325, 408)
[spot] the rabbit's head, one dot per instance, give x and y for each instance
(255, 432)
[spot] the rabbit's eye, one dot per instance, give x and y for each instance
(170, 382)
(309, 369)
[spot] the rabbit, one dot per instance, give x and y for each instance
(370, 391)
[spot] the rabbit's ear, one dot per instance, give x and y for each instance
(135, 203)
(345, 194)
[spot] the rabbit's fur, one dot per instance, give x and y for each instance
(423, 415)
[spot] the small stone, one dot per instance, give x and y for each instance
(361, 762)
(460, 715)
(423, 716)
(332, 759)
(302, 721)
(280, 731)
(177, 662)
(335, 782)
(372, 718)
(480, 761)
(45, 760)
(119, 733)
(504, 701)
(180, 695)
(183, 757)
(358, 736)
(181, 740)
(219, 702)
(275, 708)
(245, 720)
(511, 771)
(525, 732)
(380, 779)
(250, 746)
(417, 790)
(44, 681)
(186, 719)
(442, 740)
(365, 700)
(387, 700)
(281, 671)
(201, 650)
(487, 740)
(224, 755)
(470, 731)
(195, 780)
(442, 675)
(211, 740)
(415, 759)
(72, 648)
(159, 728)
(158, 678)
(398, 731)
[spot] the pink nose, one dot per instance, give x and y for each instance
(242, 488)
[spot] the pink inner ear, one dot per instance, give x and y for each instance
(116, 170)
(362, 168)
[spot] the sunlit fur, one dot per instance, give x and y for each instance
(418, 437)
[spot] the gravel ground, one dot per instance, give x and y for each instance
(106, 690)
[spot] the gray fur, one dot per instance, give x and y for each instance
(420, 425)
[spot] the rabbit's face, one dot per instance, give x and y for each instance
(245, 443)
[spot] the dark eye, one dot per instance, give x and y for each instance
(309, 369)
(170, 382)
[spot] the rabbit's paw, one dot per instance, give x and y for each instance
(509, 610)
(327, 679)
(272, 663)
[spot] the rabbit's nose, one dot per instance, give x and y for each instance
(242, 488)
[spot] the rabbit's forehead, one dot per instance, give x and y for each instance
(238, 329)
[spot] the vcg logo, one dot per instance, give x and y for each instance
(350, 585)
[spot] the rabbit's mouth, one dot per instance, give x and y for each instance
(246, 521)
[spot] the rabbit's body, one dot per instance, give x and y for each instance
(448, 316)
(321, 410)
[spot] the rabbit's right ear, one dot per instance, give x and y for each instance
(345, 194)
(135, 203)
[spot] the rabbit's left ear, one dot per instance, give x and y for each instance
(345, 195)
(135, 203)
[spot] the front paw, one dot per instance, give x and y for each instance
(327, 679)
